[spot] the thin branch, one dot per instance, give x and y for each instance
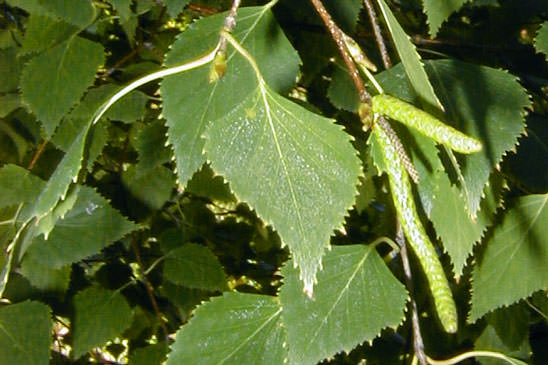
(149, 288)
(418, 344)
(37, 154)
(336, 34)
(378, 34)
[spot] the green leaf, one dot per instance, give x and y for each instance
(72, 239)
(149, 355)
(488, 104)
(174, 7)
(491, 342)
(511, 324)
(99, 315)
(411, 61)
(10, 70)
(153, 188)
(129, 110)
(194, 266)
(18, 185)
(342, 96)
(541, 41)
(515, 258)
(236, 329)
(150, 143)
(43, 32)
(25, 333)
(206, 184)
(123, 9)
(77, 12)
(49, 84)
(355, 298)
(439, 11)
(191, 102)
(280, 158)
(9, 103)
(43, 277)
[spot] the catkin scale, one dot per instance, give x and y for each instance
(425, 123)
(404, 203)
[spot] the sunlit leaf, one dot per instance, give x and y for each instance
(297, 156)
(235, 328)
(355, 298)
(189, 110)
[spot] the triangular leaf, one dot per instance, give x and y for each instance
(515, 258)
(194, 266)
(191, 102)
(77, 12)
(355, 298)
(438, 11)
(99, 316)
(49, 85)
(174, 7)
(150, 143)
(235, 328)
(25, 333)
(297, 156)
(123, 9)
(541, 41)
(73, 237)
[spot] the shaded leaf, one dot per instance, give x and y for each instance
(77, 12)
(43, 277)
(9, 103)
(129, 110)
(43, 32)
(149, 355)
(194, 266)
(515, 258)
(411, 61)
(206, 184)
(123, 9)
(235, 328)
(280, 158)
(10, 70)
(491, 342)
(49, 85)
(25, 333)
(541, 41)
(153, 188)
(18, 185)
(75, 236)
(191, 102)
(439, 11)
(150, 143)
(511, 324)
(99, 315)
(174, 7)
(355, 298)
(339, 93)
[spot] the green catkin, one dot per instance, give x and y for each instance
(402, 196)
(425, 123)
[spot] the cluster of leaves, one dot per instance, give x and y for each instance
(183, 223)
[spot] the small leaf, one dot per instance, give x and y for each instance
(439, 11)
(43, 32)
(153, 188)
(129, 110)
(123, 9)
(355, 298)
(99, 315)
(25, 333)
(541, 41)
(150, 143)
(280, 158)
(72, 239)
(18, 185)
(10, 70)
(49, 84)
(411, 61)
(194, 266)
(43, 277)
(206, 184)
(174, 7)
(515, 258)
(489, 341)
(235, 328)
(191, 102)
(9, 103)
(149, 355)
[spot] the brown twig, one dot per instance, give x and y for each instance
(149, 288)
(229, 24)
(418, 343)
(338, 38)
(37, 154)
(378, 34)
